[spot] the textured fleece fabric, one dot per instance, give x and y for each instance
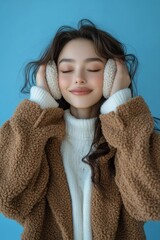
(33, 185)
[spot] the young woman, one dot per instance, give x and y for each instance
(85, 166)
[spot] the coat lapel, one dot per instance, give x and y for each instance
(58, 192)
(106, 202)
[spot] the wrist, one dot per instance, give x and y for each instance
(42, 97)
(117, 99)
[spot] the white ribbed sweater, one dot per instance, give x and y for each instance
(76, 144)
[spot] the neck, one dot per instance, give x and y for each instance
(84, 113)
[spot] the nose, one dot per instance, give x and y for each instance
(80, 78)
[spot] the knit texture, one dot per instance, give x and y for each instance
(33, 183)
(76, 144)
(109, 74)
(52, 79)
(42, 97)
(118, 98)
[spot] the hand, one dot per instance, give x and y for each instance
(41, 78)
(122, 79)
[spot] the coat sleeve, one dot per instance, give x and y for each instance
(24, 170)
(137, 159)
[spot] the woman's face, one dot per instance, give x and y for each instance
(80, 72)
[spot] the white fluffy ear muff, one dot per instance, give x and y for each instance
(109, 75)
(52, 79)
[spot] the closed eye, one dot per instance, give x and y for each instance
(66, 71)
(96, 70)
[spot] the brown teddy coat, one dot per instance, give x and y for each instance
(33, 184)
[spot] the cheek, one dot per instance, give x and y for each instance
(99, 83)
(62, 83)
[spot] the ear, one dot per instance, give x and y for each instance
(52, 79)
(109, 75)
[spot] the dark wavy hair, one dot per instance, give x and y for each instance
(107, 47)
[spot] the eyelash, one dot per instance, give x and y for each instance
(66, 71)
(97, 70)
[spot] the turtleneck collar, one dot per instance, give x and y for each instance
(79, 128)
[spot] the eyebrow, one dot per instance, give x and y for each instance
(86, 60)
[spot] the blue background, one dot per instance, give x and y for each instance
(27, 26)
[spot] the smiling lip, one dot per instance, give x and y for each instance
(80, 91)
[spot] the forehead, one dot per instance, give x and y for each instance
(78, 48)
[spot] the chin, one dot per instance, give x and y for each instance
(83, 103)
(82, 107)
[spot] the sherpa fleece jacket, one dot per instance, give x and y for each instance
(33, 184)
